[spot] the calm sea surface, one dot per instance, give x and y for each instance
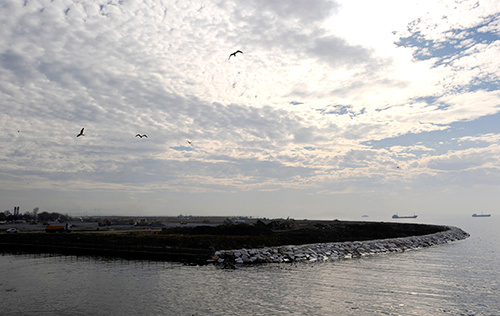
(461, 278)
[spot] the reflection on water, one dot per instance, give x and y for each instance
(457, 278)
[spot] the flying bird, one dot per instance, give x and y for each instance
(234, 54)
(141, 136)
(189, 142)
(81, 133)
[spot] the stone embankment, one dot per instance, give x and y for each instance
(334, 251)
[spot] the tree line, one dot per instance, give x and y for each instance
(34, 216)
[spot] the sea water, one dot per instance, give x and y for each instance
(460, 278)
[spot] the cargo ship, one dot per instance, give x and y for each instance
(481, 215)
(407, 216)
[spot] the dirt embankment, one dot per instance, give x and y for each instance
(195, 244)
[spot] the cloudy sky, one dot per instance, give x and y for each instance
(335, 108)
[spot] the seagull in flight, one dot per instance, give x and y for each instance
(141, 136)
(81, 133)
(234, 54)
(189, 142)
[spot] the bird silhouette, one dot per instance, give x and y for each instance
(234, 54)
(81, 133)
(141, 136)
(189, 142)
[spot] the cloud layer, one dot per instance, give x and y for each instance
(314, 111)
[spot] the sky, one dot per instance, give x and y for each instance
(335, 109)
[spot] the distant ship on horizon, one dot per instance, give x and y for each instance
(481, 215)
(406, 216)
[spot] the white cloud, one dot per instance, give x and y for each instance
(488, 138)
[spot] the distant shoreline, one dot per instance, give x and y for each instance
(205, 244)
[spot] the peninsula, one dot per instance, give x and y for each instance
(251, 241)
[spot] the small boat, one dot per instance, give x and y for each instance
(481, 215)
(407, 216)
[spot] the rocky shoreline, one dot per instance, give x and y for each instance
(333, 250)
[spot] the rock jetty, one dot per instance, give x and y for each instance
(334, 250)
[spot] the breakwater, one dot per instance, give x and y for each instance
(334, 250)
(260, 242)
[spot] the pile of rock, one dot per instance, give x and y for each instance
(334, 251)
